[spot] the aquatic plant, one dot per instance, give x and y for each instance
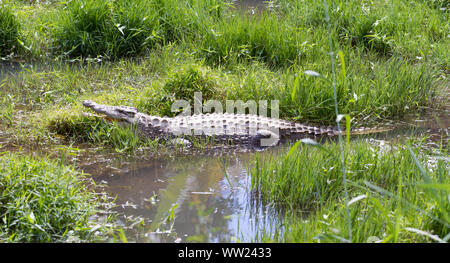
(387, 191)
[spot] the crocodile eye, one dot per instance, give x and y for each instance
(126, 112)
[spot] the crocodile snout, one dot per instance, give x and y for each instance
(88, 103)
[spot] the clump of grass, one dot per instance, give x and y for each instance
(386, 188)
(83, 28)
(178, 83)
(308, 176)
(7, 110)
(415, 30)
(103, 28)
(91, 28)
(136, 27)
(191, 78)
(9, 31)
(185, 21)
(77, 127)
(45, 201)
(182, 83)
(264, 37)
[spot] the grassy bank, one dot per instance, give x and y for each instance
(54, 96)
(44, 201)
(387, 191)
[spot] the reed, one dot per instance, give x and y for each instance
(388, 188)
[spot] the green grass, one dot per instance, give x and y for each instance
(44, 201)
(264, 37)
(384, 27)
(84, 29)
(385, 185)
(9, 31)
(292, 32)
(113, 29)
(184, 82)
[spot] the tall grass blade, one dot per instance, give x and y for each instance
(342, 60)
(356, 199)
(424, 233)
(344, 179)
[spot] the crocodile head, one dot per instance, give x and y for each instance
(120, 113)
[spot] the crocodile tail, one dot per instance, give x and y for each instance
(333, 131)
(364, 130)
(356, 131)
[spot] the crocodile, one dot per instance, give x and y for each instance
(240, 129)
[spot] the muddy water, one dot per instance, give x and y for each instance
(10, 68)
(250, 4)
(209, 195)
(250, 7)
(434, 126)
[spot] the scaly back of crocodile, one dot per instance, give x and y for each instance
(237, 127)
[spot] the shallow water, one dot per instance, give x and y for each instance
(250, 7)
(11, 68)
(250, 4)
(211, 193)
